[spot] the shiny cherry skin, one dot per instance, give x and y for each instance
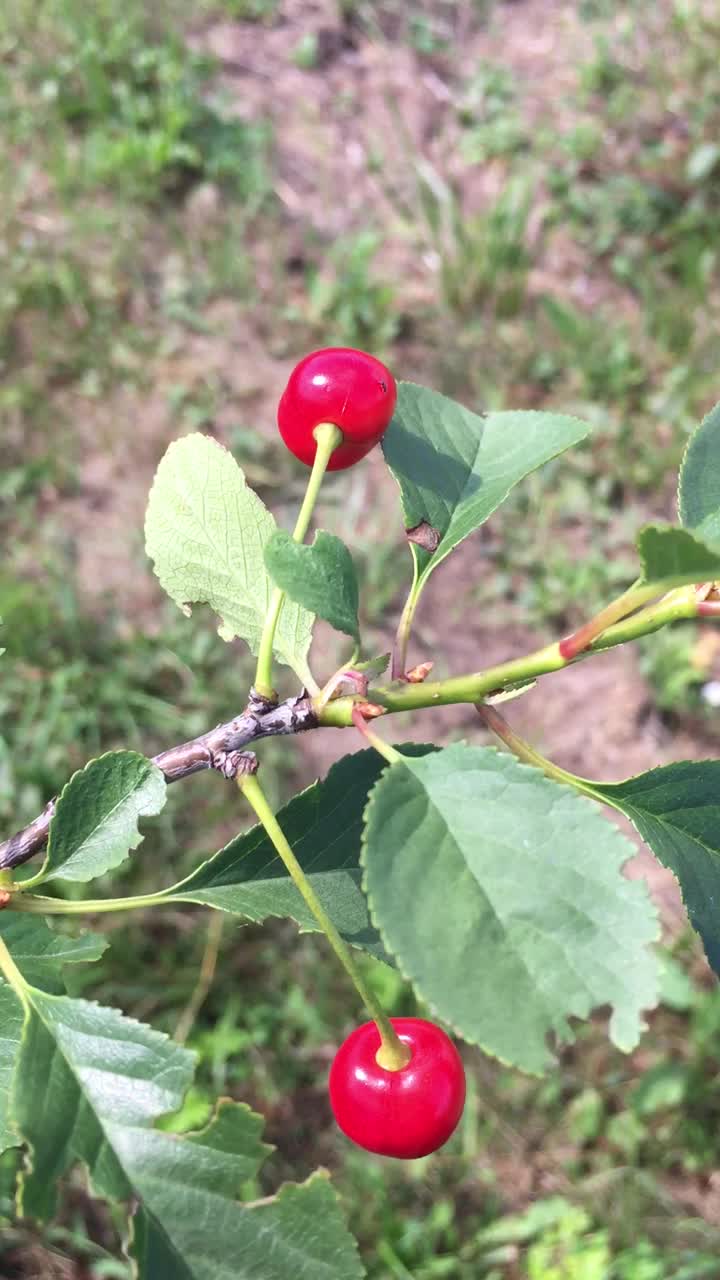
(349, 388)
(406, 1113)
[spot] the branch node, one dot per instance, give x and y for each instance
(369, 710)
(258, 704)
(235, 764)
(416, 675)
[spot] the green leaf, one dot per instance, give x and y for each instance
(11, 1022)
(206, 531)
(499, 892)
(39, 954)
(95, 824)
(672, 557)
(373, 666)
(699, 492)
(39, 951)
(455, 468)
(300, 1232)
(676, 810)
(324, 826)
(320, 577)
(89, 1086)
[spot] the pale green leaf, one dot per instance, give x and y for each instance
(321, 577)
(373, 666)
(454, 467)
(500, 894)
(699, 492)
(672, 557)
(206, 531)
(95, 824)
(11, 1023)
(89, 1086)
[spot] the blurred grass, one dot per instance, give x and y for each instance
(133, 196)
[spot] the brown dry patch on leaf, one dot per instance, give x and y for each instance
(424, 535)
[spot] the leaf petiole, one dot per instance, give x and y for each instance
(527, 753)
(402, 635)
(373, 739)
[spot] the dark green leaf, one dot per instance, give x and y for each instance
(699, 493)
(676, 809)
(90, 1085)
(324, 827)
(501, 896)
(321, 577)
(95, 825)
(455, 468)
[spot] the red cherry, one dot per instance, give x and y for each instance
(348, 388)
(406, 1113)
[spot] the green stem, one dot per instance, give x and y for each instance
(524, 751)
(678, 604)
(12, 974)
(35, 904)
(628, 602)
(392, 1054)
(383, 748)
(402, 636)
(328, 437)
(395, 697)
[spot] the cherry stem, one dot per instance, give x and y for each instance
(373, 739)
(393, 1055)
(328, 437)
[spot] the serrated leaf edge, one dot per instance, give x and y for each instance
(461, 1035)
(56, 875)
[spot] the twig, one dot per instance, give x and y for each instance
(217, 749)
(205, 978)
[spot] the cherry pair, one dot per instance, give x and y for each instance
(411, 1111)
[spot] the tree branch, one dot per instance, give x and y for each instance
(216, 749)
(262, 718)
